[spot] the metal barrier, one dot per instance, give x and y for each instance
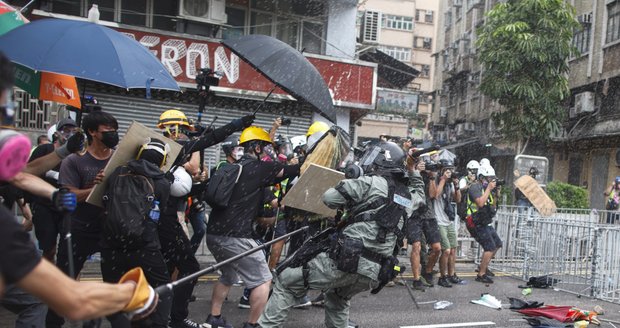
(579, 248)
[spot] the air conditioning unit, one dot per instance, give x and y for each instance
(469, 126)
(584, 102)
(206, 11)
(441, 136)
(458, 3)
(460, 129)
(585, 19)
(473, 78)
(571, 112)
(443, 111)
(371, 27)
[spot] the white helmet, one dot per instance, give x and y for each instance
(473, 165)
(182, 183)
(486, 171)
(50, 133)
(485, 162)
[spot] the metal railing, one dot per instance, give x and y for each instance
(579, 248)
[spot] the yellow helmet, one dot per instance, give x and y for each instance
(254, 133)
(172, 117)
(317, 126)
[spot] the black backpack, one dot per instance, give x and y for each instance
(221, 185)
(461, 207)
(127, 201)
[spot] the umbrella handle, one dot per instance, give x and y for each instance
(264, 100)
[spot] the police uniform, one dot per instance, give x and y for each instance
(321, 272)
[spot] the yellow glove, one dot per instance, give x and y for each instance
(144, 299)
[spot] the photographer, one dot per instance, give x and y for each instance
(446, 192)
(481, 208)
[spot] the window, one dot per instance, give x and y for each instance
(370, 26)
(581, 38)
(236, 20)
(424, 16)
(402, 54)
(422, 43)
(398, 22)
(425, 71)
(133, 12)
(613, 21)
(428, 16)
(311, 37)
(447, 19)
(261, 23)
(161, 15)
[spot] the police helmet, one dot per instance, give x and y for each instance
(229, 144)
(384, 155)
(446, 163)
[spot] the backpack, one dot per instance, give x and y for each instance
(127, 201)
(221, 185)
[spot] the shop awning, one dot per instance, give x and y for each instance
(395, 72)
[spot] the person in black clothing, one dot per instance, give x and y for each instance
(175, 244)
(117, 259)
(48, 221)
(229, 231)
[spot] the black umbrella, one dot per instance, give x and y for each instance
(287, 68)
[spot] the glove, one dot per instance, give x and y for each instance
(64, 200)
(74, 144)
(144, 299)
(244, 122)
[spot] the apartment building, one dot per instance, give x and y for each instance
(406, 31)
(586, 152)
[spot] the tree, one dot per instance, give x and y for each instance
(524, 47)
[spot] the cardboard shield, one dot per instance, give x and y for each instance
(126, 151)
(308, 192)
(536, 195)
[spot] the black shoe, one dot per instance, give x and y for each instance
(192, 298)
(455, 279)
(484, 279)
(428, 279)
(185, 323)
(213, 322)
(249, 325)
(244, 302)
(443, 282)
(489, 272)
(418, 285)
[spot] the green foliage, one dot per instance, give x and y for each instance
(568, 196)
(524, 46)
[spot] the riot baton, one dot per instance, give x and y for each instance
(161, 290)
(410, 291)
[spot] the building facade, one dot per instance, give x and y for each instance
(586, 152)
(404, 30)
(185, 35)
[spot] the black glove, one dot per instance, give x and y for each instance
(244, 122)
(75, 143)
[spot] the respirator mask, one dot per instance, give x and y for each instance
(14, 153)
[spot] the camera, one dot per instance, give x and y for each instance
(285, 121)
(500, 182)
(431, 166)
(206, 78)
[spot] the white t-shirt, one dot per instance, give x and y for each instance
(439, 205)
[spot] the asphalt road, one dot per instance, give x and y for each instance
(393, 307)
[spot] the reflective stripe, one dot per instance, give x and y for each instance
(472, 207)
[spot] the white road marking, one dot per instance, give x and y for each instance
(460, 324)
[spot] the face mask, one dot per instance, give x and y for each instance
(14, 153)
(109, 138)
(237, 154)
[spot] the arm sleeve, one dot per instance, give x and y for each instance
(41, 151)
(68, 175)
(416, 188)
(209, 139)
(18, 256)
(355, 190)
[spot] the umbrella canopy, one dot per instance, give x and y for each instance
(287, 68)
(559, 313)
(48, 86)
(88, 51)
(10, 18)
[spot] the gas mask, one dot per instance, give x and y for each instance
(14, 153)
(237, 153)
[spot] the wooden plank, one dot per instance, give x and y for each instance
(307, 193)
(127, 150)
(536, 195)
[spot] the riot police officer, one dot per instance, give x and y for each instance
(379, 202)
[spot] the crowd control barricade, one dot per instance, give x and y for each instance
(578, 248)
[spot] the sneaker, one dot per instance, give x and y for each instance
(302, 302)
(489, 272)
(443, 282)
(244, 303)
(213, 322)
(185, 323)
(428, 279)
(319, 300)
(484, 279)
(351, 324)
(455, 279)
(390, 283)
(403, 252)
(418, 285)
(250, 325)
